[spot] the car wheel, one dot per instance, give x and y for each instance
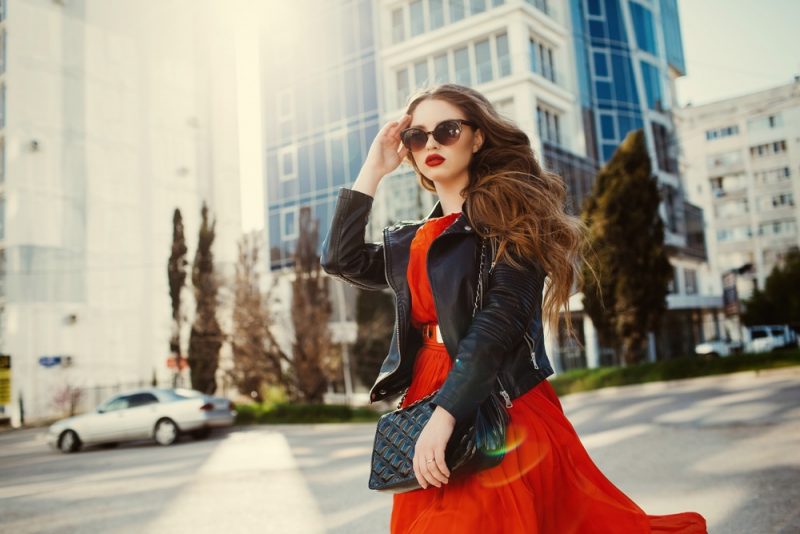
(69, 441)
(166, 432)
(201, 433)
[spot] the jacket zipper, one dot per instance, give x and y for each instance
(504, 393)
(533, 352)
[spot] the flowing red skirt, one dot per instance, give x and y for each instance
(546, 483)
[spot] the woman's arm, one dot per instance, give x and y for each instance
(345, 254)
(509, 305)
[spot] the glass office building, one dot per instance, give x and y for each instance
(320, 113)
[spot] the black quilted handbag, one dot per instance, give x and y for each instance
(475, 444)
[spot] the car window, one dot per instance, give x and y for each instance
(755, 334)
(118, 403)
(142, 399)
(777, 331)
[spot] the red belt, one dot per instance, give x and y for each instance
(432, 331)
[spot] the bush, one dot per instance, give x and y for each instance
(686, 367)
(303, 413)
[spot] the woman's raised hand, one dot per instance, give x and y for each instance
(387, 152)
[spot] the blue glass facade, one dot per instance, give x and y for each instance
(320, 114)
(608, 66)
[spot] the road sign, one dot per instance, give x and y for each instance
(49, 361)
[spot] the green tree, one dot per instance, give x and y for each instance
(176, 274)
(206, 336)
(779, 301)
(627, 235)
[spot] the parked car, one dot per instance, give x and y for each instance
(718, 347)
(161, 414)
(765, 338)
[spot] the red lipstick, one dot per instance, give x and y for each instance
(433, 160)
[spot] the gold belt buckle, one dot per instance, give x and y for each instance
(431, 329)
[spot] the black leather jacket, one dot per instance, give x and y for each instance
(503, 345)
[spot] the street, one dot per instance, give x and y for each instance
(724, 446)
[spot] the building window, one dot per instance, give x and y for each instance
(768, 149)
(2, 105)
(289, 223)
(417, 17)
(503, 57)
(719, 133)
(773, 176)
(643, 26)
(398, 26)
(608, 130)
(767, 203)
(767, 122)
(287, 162)
(690, 281)
(483, 61)
(786, 227)
(441, 68)
(403, 88)
(421, 73)
(601, 67)
(2, 160)
(477, 6)
(549, 124)
(652, 86)
(436, 11)
(541, 58)
(462, 63)
(735, 233)
(665, 148)
(541, 5)
(456, 9)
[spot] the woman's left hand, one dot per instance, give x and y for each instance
(430, 446)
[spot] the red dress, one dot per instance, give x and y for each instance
(546, 483)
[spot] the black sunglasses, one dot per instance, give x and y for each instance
(445, 133)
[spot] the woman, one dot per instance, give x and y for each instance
(489, 184)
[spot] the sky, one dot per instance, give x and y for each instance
(735, 47)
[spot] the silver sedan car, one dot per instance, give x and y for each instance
(160, 414)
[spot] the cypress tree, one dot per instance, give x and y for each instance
(627, 235)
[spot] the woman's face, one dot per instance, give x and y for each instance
(453, 160)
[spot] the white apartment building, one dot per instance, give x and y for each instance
(741, 159)
(114, 113)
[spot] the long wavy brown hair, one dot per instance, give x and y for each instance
(515, 200)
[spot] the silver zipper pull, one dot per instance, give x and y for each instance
(533, 352)
(505, 394)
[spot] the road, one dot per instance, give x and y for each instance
(723, 446)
